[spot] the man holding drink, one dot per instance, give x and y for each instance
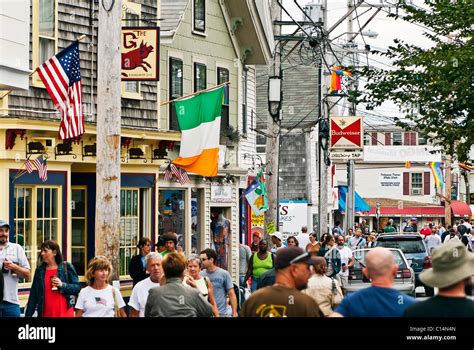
(15, 265)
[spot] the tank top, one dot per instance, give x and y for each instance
(202, 286)
(261, 266)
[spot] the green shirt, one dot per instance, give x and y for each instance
(261, 266)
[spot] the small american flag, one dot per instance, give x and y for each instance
(40, 164)
(61, 75)
(184, 177)
(168, 174)
(29, 166)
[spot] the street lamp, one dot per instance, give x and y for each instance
(369, 34)
(274, 96)
(323, 134)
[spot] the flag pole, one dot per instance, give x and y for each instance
(33, 72)
(195, 93)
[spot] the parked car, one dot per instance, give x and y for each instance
(415, 250)
(404, 280)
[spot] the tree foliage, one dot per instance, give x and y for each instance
(431, 86)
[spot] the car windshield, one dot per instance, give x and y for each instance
(406, 246)
(359, 259)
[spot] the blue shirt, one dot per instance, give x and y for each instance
(375, 302)
(221, 283)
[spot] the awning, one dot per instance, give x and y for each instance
(460, 209)
(433, 211)
(359, 203)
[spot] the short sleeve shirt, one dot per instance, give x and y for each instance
(375, 302)
(99, 302)
(221, 283)
(280, 301)
(140, 295)
(13, 252)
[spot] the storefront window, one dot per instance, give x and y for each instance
(79, 230)
(36, 218)
(171, 214)
(196, 210)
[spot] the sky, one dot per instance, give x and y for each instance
(388, 29)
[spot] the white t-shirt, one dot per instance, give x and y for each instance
(15, 253)
(303, 239)
(432, 241)
(140, 295)
(98, 302)
(346, 254)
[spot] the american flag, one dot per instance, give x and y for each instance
(184, 177)
(61, 75)
(29, 166)
(42, 167)
(168, 174)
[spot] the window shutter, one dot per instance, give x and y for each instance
(413, 138)
(406, 138)
(388, 140)
(426, 183)
(406, 184)
(374, 139)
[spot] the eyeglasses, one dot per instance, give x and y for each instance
(300, 258)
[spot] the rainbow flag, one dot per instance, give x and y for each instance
(437, 174)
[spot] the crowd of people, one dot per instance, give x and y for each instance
(302, 276)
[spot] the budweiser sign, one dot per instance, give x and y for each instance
(346, 133)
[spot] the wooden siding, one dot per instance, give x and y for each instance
(248, 144)
(215, 48)
(293, 168)
(74, 19)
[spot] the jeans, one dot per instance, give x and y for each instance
(254, 284)
(9, 310)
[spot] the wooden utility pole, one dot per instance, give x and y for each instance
(273, 142)
(447, 193)
(107, 215)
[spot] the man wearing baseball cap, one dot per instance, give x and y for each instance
(284, 298)
(277, 240)
(14, 265)
(453, 268)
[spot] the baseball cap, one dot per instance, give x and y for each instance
(4, 223)
(292, 255)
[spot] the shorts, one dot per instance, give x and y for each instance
(343, 280)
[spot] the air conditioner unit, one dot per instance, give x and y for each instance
(416, 191)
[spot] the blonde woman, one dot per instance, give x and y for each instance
(99, 297)
(203, 284)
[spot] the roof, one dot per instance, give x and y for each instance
(172, 11)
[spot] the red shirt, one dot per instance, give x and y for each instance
(425, 232)
(54, 302)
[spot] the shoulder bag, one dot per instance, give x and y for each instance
(71, 298)
(116, 307)
(336, 297)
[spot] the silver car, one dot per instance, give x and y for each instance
(404, 280)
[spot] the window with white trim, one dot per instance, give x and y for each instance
(44, 35)
(175, 89)
(397, 138)
(199, 23)
(416, 182)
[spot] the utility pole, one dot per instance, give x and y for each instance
(107, 217)
(323, 153)
(352, 111)
(273, 130)
(447, 193)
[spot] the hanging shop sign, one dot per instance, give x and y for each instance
(346, 133)
(140, 53)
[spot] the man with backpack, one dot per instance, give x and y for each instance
(357, 241)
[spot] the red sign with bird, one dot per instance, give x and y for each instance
(140, 53)
(346, 133)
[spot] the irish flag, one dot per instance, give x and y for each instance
(199, 118)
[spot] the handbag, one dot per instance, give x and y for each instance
(116, 307)
(71, 298)
(336, 296)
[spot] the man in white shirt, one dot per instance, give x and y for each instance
(303, 237)
(15, 265)
(347, 260)
(432, 241)
(140, 291)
